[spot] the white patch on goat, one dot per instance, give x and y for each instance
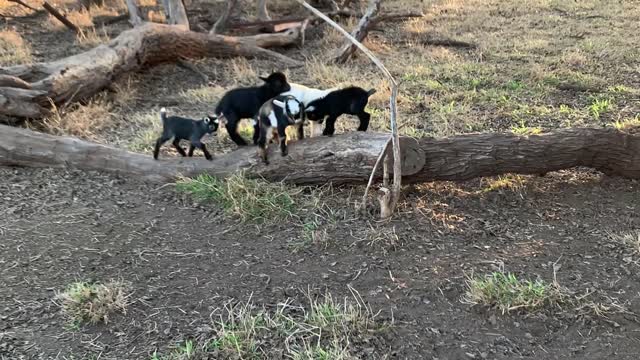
(294, 107)
(306, 94)
(163, 110)
(273, 119)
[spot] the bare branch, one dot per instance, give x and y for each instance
(359, 33)
(63, 19)
(221, 24)
(20, 2)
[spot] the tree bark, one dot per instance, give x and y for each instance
(348, 158)
(83, 75)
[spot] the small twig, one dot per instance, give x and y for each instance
(373, 172)
(448, 42)
(20, 2)
(63, 19)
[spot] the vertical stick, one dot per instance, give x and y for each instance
(397, 166)
(60, 17)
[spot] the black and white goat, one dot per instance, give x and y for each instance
(244, 103)
(274, 117)
(306, 95)
(180, 128)
(350, 100)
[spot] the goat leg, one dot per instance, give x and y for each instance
(282, 135)
(161, 140)
(330, 129)
(176, 144)
(364, 121)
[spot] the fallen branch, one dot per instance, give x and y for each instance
(359, 33)
(191, 67)
(63, 19)
(348, 158)
(150, 44)
(20, 2)
(448, 42)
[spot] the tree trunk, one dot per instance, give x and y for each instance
(83, 75)
(348, 158)
(263, 14)
(134, 13)
(176, 13)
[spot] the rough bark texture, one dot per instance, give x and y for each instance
(348, 158)
(83, 75)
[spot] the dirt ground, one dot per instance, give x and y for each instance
(538, 65)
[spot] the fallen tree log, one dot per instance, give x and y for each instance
(348, 158)
(83, 75)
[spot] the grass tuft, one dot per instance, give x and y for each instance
(14, 50)
(250, 199)
(506, 292)
(504, 182)
(83, 301)
(81, 120)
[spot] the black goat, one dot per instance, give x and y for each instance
(244, 103)
(273, 118)
(351, 100)
(180, 128)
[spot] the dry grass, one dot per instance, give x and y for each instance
(511, 182)
(13, 49)
(90, 37)
(630, 239)
(81, 18)
(83, 302)
(149, 127)
(83, 121)
(324, 329)
(204, 95)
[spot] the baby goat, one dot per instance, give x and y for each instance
(244, 103)
(351, 100)
(306, 95)
(180, 128)
(274, 117)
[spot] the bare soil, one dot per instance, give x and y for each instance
(186, 260)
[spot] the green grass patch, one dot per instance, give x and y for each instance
(507, 292)
(250, 199)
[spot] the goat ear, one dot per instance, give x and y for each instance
(278, 103)
(263, 78)
(310, 108)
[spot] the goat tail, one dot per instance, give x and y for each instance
(371, 92)
(163, 114)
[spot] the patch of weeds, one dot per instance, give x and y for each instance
(206, 95)
(599, 106)
(324, 329)
(522, 129)
(630, 239)
(83, 302)
(334, 351)
(506, 292)
(620, 89)
(81, 120)
(150, 128)
(514, 85)
(14, 50)
(89, 38)
(627, 124)
(509, 182)
(250, 199)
